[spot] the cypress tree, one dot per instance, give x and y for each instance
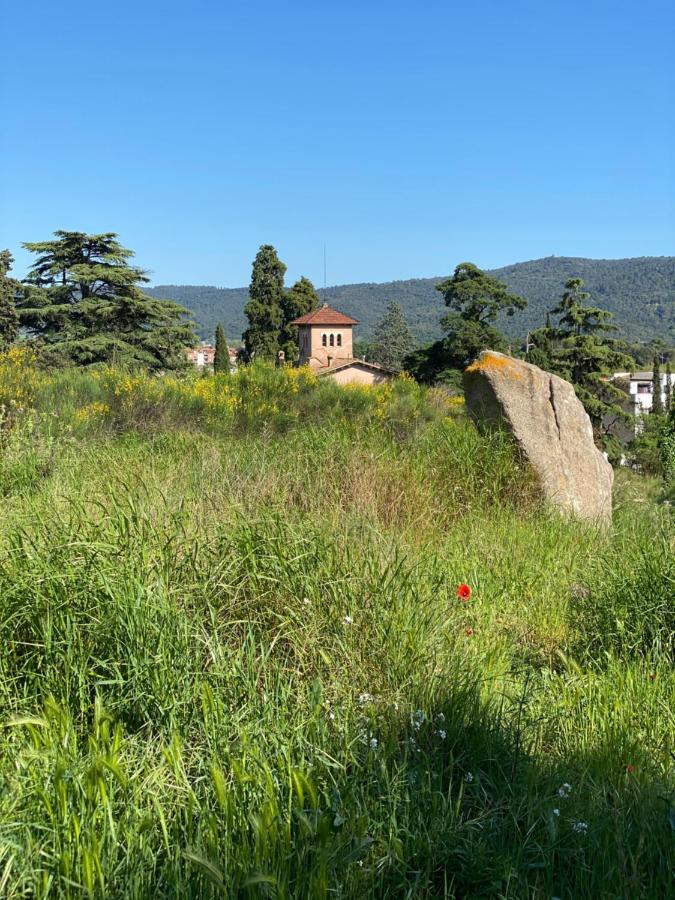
(9, 321)
(296, 302)
(668, 404)
(221, 358)
(263, 310)
(657, 401)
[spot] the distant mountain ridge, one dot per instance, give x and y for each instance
(640, 292)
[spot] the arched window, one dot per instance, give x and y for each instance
(339, 340)
(332, 340)
(323, 340)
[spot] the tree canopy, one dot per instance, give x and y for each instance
(578, 348)
(221, 358)
(264, 308)
(9, 321)
(82, 301)
(392, 339)
(475, 299)
(298, 300)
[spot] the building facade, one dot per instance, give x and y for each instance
(326, 345)
(641, 389)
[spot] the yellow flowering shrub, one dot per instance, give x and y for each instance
(20, 381)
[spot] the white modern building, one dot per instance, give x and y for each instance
(641, 389)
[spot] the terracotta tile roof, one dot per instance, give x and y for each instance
(347, 363)
(325, 315)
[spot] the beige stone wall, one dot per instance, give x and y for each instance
(315, 344)
(358, 375)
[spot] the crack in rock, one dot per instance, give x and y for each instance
(551, 399)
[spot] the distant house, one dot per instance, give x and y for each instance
(204, 354)
(201, 356)
(640, 389)
(326, 345)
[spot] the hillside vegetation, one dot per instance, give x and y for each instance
(639, 292)
(235, 662)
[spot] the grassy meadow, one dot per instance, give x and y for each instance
(234, 663)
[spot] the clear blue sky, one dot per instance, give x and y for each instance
(407, 137)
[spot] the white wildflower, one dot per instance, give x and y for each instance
(468, 777)
(348, 620)
(373, 743)
(365, 698)
(306, 601)
(580, 827)
(440, 717)
(419, 716)
(564, 790)
(556, 812)
(442, 735)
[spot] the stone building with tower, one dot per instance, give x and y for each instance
(325, 342)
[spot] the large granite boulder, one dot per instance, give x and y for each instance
(550, 426)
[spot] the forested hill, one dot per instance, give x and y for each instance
(640, 292)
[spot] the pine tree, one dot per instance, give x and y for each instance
(221, 358)
(475, 300)
(657, 401)
(581, 352)
(82, 301)
(9, 321)
(392, 340)
(263, 310)
(297, 301)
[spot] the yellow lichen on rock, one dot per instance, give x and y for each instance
(488, 360)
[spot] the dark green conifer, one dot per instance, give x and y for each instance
(221, 358)
(83, 302)
(657, 401)
(392, 339)
(668, 402)
(297, 301)
(9, 321)
(263, 310)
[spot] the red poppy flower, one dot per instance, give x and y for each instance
(630, 768)
(463, 592)
(468, 631)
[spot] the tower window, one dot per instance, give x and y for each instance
(332, 340)
(339, 340)
(323, 340)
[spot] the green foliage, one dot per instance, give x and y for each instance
(392, 340)
(639, 293)
(221, 358)
(477, 296)
(645, 449)
(667, 450)
(82, 303)
(296, 301)
(657, 399)
(476, 300)
(577, 349)
(264, 310)
(234, 663)
(9, 322)
(668, 392)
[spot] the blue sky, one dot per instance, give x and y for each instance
(407, 137)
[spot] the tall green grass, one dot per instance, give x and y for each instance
(234, 662)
